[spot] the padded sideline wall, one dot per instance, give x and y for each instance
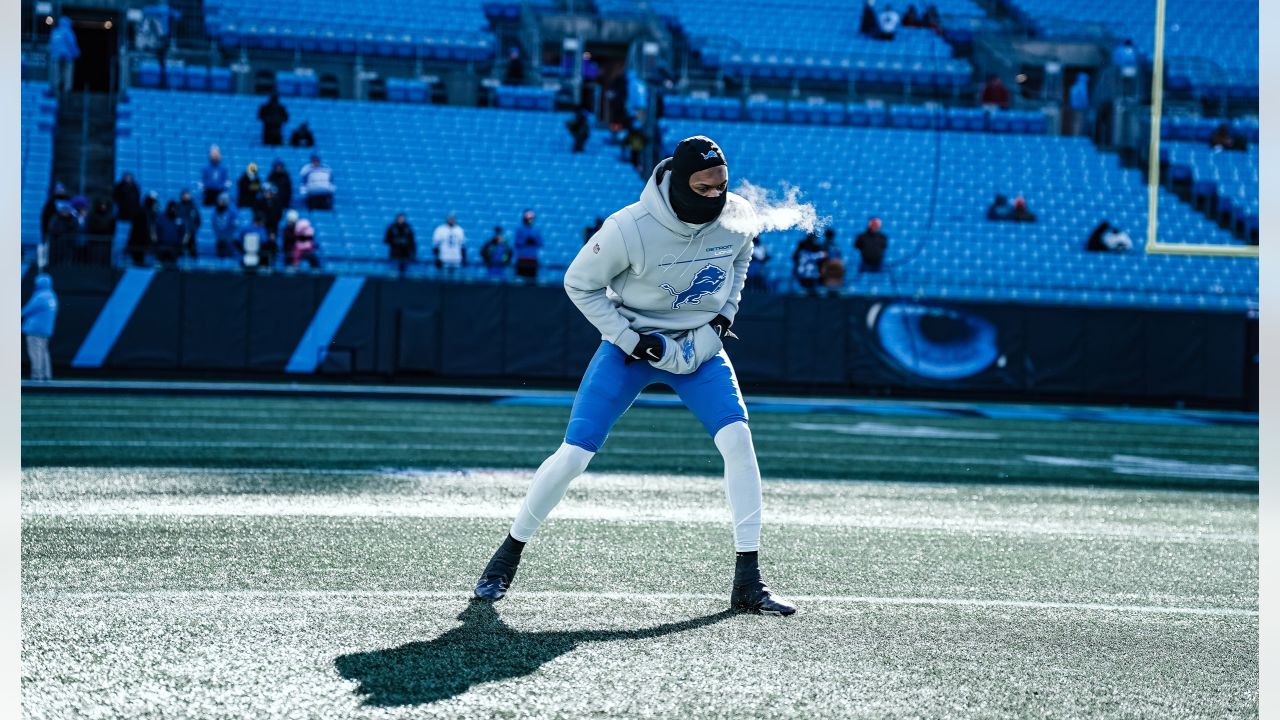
(209, 325)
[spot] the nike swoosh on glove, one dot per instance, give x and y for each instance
(649, 348)
(721, 324)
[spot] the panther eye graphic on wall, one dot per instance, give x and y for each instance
(707, 281)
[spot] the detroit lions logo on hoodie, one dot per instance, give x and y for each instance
(707, 281)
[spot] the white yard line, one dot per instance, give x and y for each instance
(620, 596)
(426, 506)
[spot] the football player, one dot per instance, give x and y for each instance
(661, 280)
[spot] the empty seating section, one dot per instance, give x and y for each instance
(821, 112)
(810, 39)
(486, 165)
(455, 30)
(1212, 45)
(180, 75)
(39, 116)
(1224, 184)
(888, 173)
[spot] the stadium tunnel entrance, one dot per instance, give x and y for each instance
(97, 33)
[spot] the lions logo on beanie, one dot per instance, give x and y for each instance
(693, 155)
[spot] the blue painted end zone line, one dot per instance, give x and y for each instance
(328, 318)
(114, 316)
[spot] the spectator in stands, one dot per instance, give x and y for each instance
(80, 206)
(1108, 238)
(38, 318)
(806, 263)
(932, 18)
(249, 187)
(100, 231)
(170, 230)
(271, 210)
(317, 184)
(871, 245)
(213, 177)
(273, 116)
(226, 226)
(515, 68)
(911, 18)
(829, 245)
(449, 244)
(1125, 57)
(59, 194)
(887, 24)
(402, 247)
(635, 141)
(250, 244)
(153, 34)
(528, 242)
(1223, 139)
(127, 197)
(580, 128)
(756, 276)
(590, 70)
(283, 182)
(1079, 101)
(1000, 209)
(189, 214)
(1022, 213)
(63, 51)
(63, 234)
(832, 275)
(995, 92)
(496, 253)
(302, 137)
(142, 230)
(590, 230)
(304, 245)
(870, 22)
(289, 234)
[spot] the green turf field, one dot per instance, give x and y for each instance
(311, 558)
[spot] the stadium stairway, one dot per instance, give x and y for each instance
(84, 150)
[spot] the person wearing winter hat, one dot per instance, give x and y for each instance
(304, 246)
(249, 188)
(38, 318)
(661, 281)
(226, 226)
(289, 235)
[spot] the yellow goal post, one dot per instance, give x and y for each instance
(1154, 246)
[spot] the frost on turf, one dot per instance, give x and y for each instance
(771, 213)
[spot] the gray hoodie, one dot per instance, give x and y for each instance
(647, 271)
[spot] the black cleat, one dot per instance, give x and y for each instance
(498, 574)
(751, 595)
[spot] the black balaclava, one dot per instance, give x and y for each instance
(694, 155)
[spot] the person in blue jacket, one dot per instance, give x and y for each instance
(214, 179)
(528, 243)
(64, 50)
(38, 317)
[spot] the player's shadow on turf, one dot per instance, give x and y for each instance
(483, 650)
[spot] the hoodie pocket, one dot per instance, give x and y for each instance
(686, 351)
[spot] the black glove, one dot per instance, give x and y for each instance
(649, 348)
(721, 324)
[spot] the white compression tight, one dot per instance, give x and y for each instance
(741, 484)
(741, 479)
(549, 485)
